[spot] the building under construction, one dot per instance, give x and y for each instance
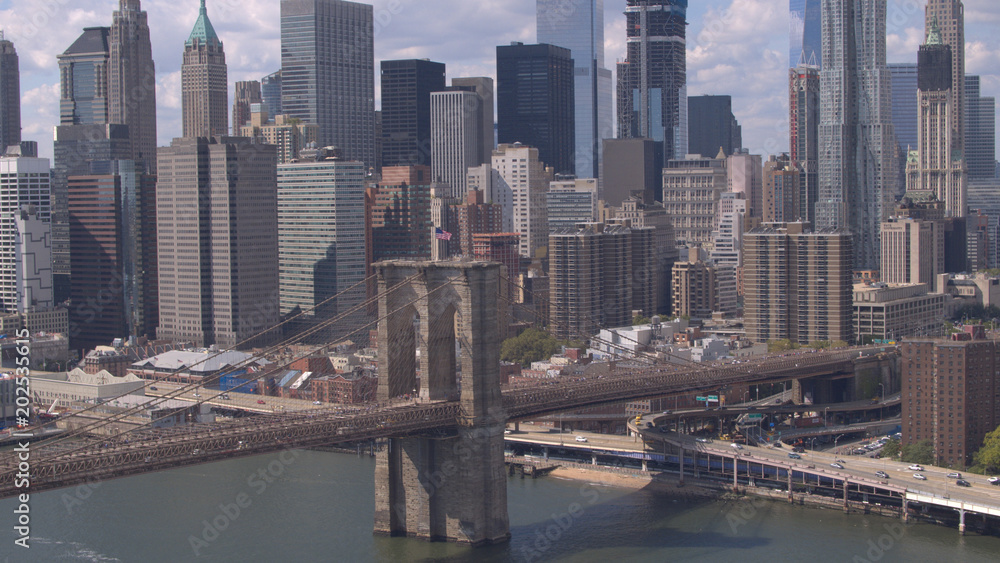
(652, 92)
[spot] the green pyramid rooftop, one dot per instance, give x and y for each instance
(203, 30)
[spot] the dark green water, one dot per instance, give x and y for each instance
(320, 508)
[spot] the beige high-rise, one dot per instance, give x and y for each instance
(798, 284)
(204, 81)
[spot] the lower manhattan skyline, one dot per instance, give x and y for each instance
(725, 46)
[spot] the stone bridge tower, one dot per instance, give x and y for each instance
(444, 316)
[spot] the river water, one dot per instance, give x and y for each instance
(318, 506)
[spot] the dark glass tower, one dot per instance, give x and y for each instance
(406, 110)
(535, 94)
(328, 72)
(803, 119)
(652, 82)
(712, 126)
(10, 95)
(806, 33)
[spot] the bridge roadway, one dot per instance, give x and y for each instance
(982, 497)
(71, 463)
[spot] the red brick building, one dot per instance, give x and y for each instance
(950, 395)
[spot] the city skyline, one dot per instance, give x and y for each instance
(724, 46)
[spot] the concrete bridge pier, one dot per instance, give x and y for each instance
(451, 488)
(961, 522)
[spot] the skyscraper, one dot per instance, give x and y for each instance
(798, 283)
(24, 183)
(578, 25)
(652, 82)
(980, 131)
(204, 81)
(244, 95)
(112, 211)
(328, 72)
(691, 192)
(806, 33)
(948, 16)
(484, 86)
(321, 237)
(856, 165)
(217, 235)
(938, 169)
(803, 115)
(132, 81)
(270, 92)
(10, 95)
(535, 93)
(456, 137)
(406, 110)
(712, 126)
(904, 104)
(521, 182)
(83, 78)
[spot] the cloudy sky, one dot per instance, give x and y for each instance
(736, 47)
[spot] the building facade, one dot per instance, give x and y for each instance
(798, 284)
(578, 25)
(204, 81)
(712, 126)
(245, 93)
(406, 110)
(803, 115)
(535, 95)
(950, 396)
(781, 203)
(217, 220)
(520, 183)
(131, 81)
(321, 239)
(652, 81)
(805, 33)
(456, 120)
(890, 311)
(571, 202)
(691, 191)
(980, 131)
(328, 72)
(10, 95)
(856, 165)
(24, 186)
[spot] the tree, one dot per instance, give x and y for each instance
(987, 459)
(532, 345)
(640, 320)
(782, 345)
(920, 452)
(891, 448)
(839, 344)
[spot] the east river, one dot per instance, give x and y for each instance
(318, 506)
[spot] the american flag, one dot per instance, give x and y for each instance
(441, 235)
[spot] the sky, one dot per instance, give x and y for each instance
(734, 47)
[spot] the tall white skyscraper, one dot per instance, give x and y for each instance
(24, 184)
(578, 25)
(456, 137)
(856, 165)
(525, 177)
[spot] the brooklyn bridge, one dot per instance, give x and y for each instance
(454, 432)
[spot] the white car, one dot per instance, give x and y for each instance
(954, 475)
(581, 439)
(915, 467)
(919, 476)
(737, 446)
(993, 480)
(317, 403)
(506, 432)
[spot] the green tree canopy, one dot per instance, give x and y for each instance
(532, 345)
(987, 459)
(890, 449)
(920, 452)
(641, 320)
(782, 345)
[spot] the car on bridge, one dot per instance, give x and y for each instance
(954, 475)
(915, 467)
(919, 476)
(260, 401)
(993, 480)
(581, 439)
(837, 465)
(882, 474)
(702, 440)
(737, 446)
(962, 483)
(794, 455)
